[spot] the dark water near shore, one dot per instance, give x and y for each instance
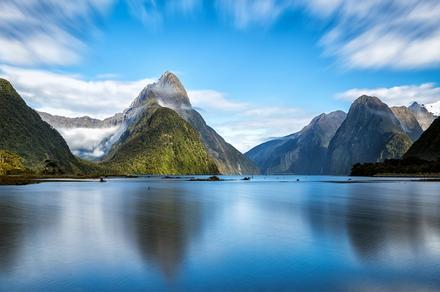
(270, 233)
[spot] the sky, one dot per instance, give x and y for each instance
(254, 69)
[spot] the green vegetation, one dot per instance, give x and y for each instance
(11, 163)
(161, 142)
(23, 132)
(410, 166)
(396, 146)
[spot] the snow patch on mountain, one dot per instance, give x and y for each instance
(434, 108)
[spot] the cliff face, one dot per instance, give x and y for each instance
(408, 122)
(303, 152)
(370, 133)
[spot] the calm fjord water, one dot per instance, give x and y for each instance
(271, 233)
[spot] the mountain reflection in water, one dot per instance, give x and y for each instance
(233, 235)
(165, 224)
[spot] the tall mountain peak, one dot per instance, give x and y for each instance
(170, 78)
(416, 105)
(168, 91)
(370, 133)
(366, 99)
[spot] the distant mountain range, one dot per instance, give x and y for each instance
(333, 143)
(161, 133)
(81, 122)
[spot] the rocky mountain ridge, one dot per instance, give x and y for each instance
(302, 152)
(422, 115)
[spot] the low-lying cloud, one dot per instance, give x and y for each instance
(87, 141)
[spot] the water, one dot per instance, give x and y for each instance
(271, 233)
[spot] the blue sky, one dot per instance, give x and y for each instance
(255, 69)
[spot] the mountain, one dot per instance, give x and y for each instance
(23, 132)
(428, 146)
(422, 158)
(423, 116)
(408, 122)
(92, 139)
(370, 133)
(160, 142)
(80, 122)
(169, 92)
(303, 152)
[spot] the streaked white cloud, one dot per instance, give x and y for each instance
(247, 12)
(366, 34)
(50, 32)
(427, 93)
(375, 34)
(72, 96)
(152, 12)
(369, 34)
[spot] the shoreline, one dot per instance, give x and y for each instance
(35, 179)
(31, 179)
